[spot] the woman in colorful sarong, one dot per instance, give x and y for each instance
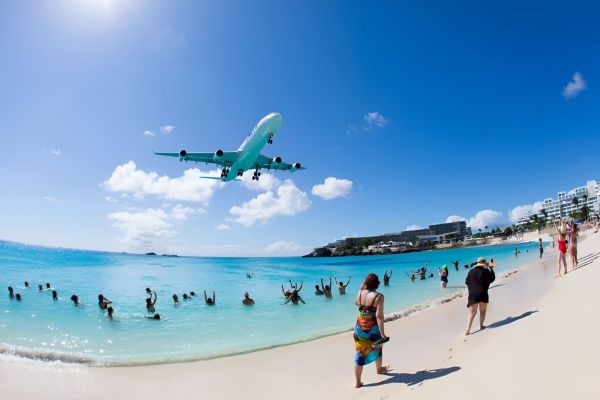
(369, 331)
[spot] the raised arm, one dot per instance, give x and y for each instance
(330, 283)
(322, 286)
(347, 283)
(205, 298)
(391, 273)
(298, 290)
(155, 298)
(214, 297)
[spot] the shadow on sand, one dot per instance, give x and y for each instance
(416, 378)
(511, 319)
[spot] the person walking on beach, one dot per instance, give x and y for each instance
(541, 248)
(444, 275)
(573, 245)
(369, 332)
(340, 285)
(562, 246)
(478, 282)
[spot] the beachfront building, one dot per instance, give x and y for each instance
(564, 205)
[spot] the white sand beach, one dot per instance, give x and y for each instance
(540, 343)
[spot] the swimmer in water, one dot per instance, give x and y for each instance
(40, 288)
(175, 299)
(340, 285)
(192, 293)
(326, 288)
(455, 264)
(249, 275)
(318, 290)
(294, 298)
(26, 285)
(75, 299)
(286, 293)
(151, 301)
(54, 295)
(11, 292)
(210, 301)
(48, 285)
(148, 291)
(110, 312)
(18, 297)
(247, 300)
(155, 316)
(186, 297)
(103, 302)
(386, 278)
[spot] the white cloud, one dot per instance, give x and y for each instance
(49, 199)
(575, 85)
(289, 200)
(282, 246)
(56, 152)
(484, 218)
(148, 133)
(413, 227)
(181, 213)
(524, 210)
(127, 179)
(455, 218)
(266, 182)
(222, 227)
(111, 199)
(167, 129)
(375, 119)
(145, 228)
(332, 188)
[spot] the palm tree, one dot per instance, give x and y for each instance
(575, 202)
(486, 228)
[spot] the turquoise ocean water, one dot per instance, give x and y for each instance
(39, 327)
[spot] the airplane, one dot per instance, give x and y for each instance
(247, 157)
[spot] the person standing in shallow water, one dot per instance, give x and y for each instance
(369, 330)
(478, 282)
(541, 248)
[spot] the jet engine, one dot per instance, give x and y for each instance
(276, 160)
(218, 154)
(182, 155)
(295, 167)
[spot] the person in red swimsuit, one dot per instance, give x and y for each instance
(562, 246)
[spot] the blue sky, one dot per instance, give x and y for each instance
(429, 109)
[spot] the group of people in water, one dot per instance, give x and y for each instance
(105, 303)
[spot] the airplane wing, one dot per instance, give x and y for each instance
(227, 158)
(268, 163)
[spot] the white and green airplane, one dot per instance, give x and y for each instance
(247, 157)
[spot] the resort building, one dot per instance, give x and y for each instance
(564, 204)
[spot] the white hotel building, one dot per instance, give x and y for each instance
(563, 206)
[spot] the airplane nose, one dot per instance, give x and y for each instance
(276, 118)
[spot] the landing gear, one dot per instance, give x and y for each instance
(240, 172)
(270, 135)
(256, 175)
(224, 172)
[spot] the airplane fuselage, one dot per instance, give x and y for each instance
(263, 132)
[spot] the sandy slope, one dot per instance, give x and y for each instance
(542, 343)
